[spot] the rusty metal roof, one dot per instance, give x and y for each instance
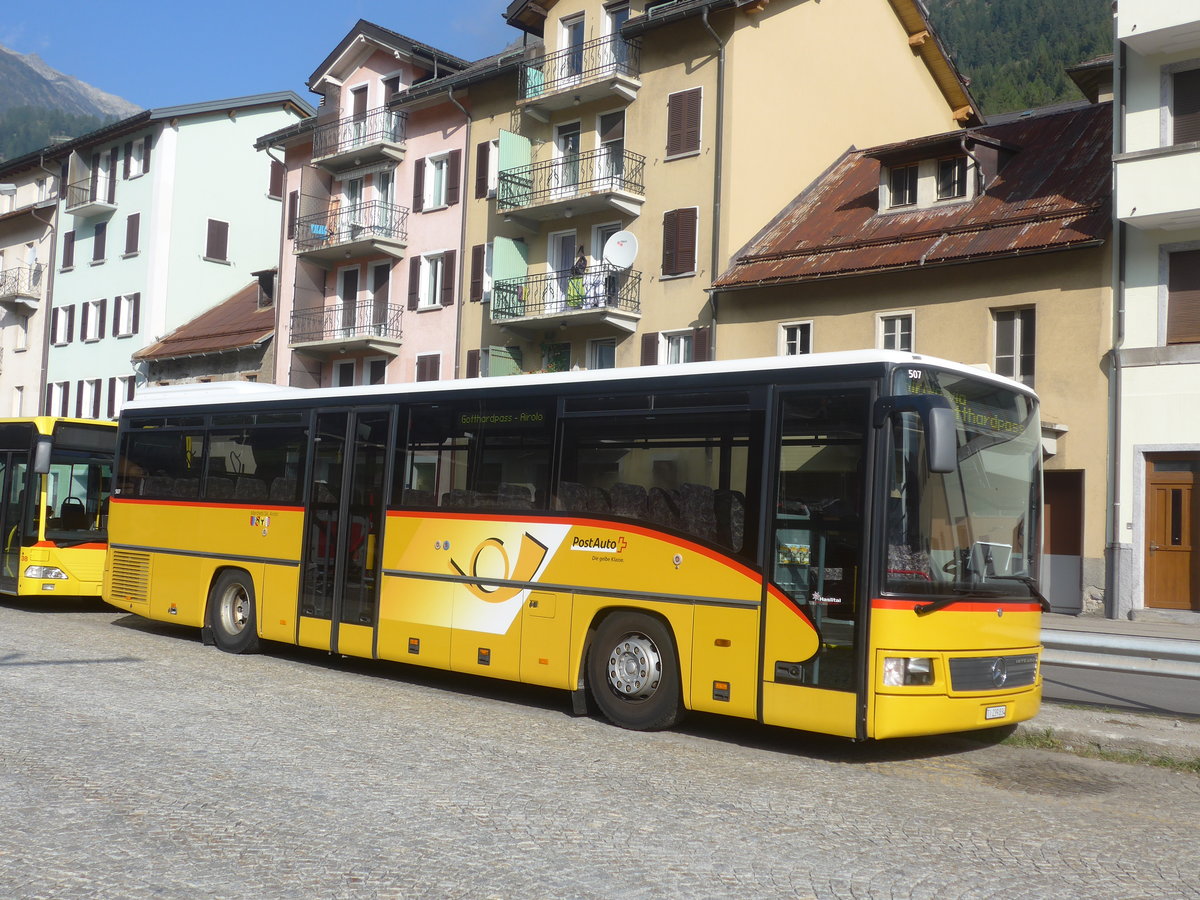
(235, 324)
(1053, 193)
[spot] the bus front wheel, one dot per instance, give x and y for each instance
(633, 672)
(231, 612)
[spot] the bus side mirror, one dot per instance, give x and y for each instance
(937, 418)
(41, 457)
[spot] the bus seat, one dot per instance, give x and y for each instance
(730, 508)
(628, 500)
(218, 488)
(420, 498)
(663, 508)
(249, 488)
(571, 496)
(73, 516)
(697, 507)
(597, 500)
(514, 496)
(283, 490)
(158, 486)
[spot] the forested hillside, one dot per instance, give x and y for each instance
(1015, 51)
(25, 128)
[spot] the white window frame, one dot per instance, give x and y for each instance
(593, 351)
(433, 274)
(20, 332)
(882, 329)
(124, 320)
(60, 397)
(417, 364)
(785, 342)
(60, 336)
(488, 258)
(18, 400)
(366, 368)
(121, 389)
(137, 161)
(336, 373)
(95, 314)
(91, 398)
(676, 345)
(1018, 333)
(493, 176)
(436, 190)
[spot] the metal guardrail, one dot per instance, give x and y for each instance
(375, 126)
(567, 292)
(22, 281)
(355, 321)
(601, 57)
(1121, 653)
(349, 224)
(573, 175)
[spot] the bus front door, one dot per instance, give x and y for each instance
(339, 588)
(14, 467)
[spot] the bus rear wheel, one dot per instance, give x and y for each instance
(633, 672)
(231, 612)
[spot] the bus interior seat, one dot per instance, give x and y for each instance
(420, 498)
(597, 500)
(628, 500)
(697, 506)
(218, 488)
(73, 516)
(571, 496)
(247, 487)
(515, 496)
(663, 508)
(282, 490)
(730, 509)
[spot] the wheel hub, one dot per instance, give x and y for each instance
(635, 667)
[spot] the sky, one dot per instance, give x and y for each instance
(163, 54)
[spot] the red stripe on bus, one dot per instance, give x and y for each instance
(91, 546)
(203, 503)
(956, 606)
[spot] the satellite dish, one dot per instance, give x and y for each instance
(620, 250)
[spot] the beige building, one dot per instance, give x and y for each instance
(988, 247)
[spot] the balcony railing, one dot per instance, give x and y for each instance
(355, 224)
(568, 293)
(22, 283)
(352, 133)
(598, 59)
(90, 196)
(574, 175)
(356, 321)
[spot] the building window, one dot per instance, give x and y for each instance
(135, 159)
(1183, 297)
(125, 315)
(1185, 106)
(374, 370)
(431, 280)
(343, 373)
(679, 242)
(602, 354)
(556, 357)
(678, 347)
(275, 180)
(99, 241)
(795, 338)
(896, 332)
(432, 272)
(91, 326)
(68, 255)
(481, 273)
(683, 123)
(435, 181)
(133, 224)
(18, 400)
(429, 367)
(487, 169)
(58, 398)
(217, 243)
(87, 399)
(1015, 338)
(902, 185)
(120, 392)
(62, 325)
(436, 171)
(952, 178)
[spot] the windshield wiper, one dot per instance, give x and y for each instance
(925, 609)
(1028, 581)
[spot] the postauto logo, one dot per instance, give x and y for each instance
(599, 544)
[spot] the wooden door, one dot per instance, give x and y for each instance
(1171, 519)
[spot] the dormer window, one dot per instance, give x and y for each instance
(902, 183)
(952, 178)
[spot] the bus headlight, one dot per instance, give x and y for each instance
(45, 572)
(907, 670)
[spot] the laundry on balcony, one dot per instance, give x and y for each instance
(318, 231)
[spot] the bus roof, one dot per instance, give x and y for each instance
(233, 392)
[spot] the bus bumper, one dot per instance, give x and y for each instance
(899, 715)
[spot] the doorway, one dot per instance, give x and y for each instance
(1172, 516)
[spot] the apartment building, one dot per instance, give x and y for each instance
(1153, 530)
(159, 217)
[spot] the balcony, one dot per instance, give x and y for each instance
(602, 295)
(1158, 26)
(91, 196)
(574, 185)
(360, 140)
(347, 232)
(21, 288)
(369, 325)
(593, 70)
(1159, 187)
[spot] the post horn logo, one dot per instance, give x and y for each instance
(490, 564)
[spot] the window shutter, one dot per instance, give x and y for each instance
(128, 158)
(83, 321)
(112, 175)
(64, 173)
(448, 273)
(683, 122)
(481, 169)
(292, 214)
(453, 177)
(477, 256)
(691, 121)
(472, 363)
(1185, 109)
(95, 176)
(132, 224)
(116, 318)
(1183, 298)
(701, 344)
(99, 240)
(112, 397)
(685, 241)
(418, 203)
(650, 349)
(218, 240)
(133, 326)
(275, 187)
(54, 326)
(70, 323)
(79, 399)
(102, 314)
(669, 238)
(68, 259)
(414, 282)
(146, 155)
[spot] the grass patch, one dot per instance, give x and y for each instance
(1045, 739)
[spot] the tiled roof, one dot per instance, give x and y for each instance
(1054, 193)
(235, 324)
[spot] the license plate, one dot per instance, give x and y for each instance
(995, 712)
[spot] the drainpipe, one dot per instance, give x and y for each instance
(278, 276)
(979, 184)
(718, 158)
(462, 240)
(51, 265)
(1113, 579)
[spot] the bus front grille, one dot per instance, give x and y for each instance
(130, 576)
(991, 673)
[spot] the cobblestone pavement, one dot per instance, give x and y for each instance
(135, 762)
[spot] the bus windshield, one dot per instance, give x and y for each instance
(975, 530)
(78, 484)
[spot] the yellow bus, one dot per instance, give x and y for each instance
(55, 477)
(842, 543)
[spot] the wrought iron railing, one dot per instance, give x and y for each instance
(375, 126)
(356, 320)
(571, 175)
(595, 59)
(349, 223)
(22, 281)
(89, 191)
(567, 292)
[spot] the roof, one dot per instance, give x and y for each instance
(392, 40)
(235, 324)
(507, 60)
(1053, 194)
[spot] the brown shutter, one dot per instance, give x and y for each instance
(79, 399)
(145, 157)
(54, 326)
(275, 187)
(83, 321)
(95, 176)
(112, 175)
(133, 325)
(701, 344)
(668, 241)
(674, 124)
(418, 203)
(64, 173)
(217, 245)
(128, 154)
(1185, 109)
(472, 363)
(650, 349)
(685, 241)
(70, 323)
(102, 313)
(132, 226)
(292, 214)
(112, 396)
(1183, 298)
(68, 259)
(683, 122)
(453, 177)
(414, 282)
(99, 240)
(448, 276)
(477, 258)
(482, 150)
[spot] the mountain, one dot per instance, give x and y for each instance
(38, 104)
(1015, 51)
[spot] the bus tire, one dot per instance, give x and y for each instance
(633, 672)
(231, 612)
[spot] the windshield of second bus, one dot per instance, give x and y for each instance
(975, 530)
